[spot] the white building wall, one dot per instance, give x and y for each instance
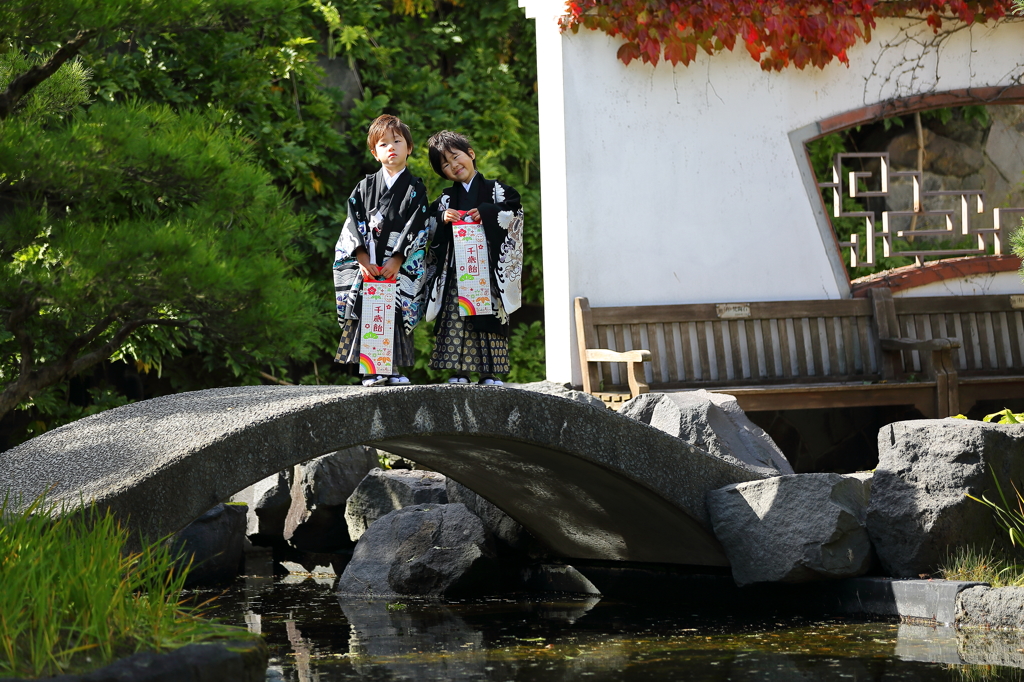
(680, 184)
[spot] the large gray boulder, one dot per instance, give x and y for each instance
(713, 422)
(320, 490)
(214, 545)
(794, 528)
(919, 513)
(425, 550)
(268, 501)
(383, 491)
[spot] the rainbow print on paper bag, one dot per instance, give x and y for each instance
(366, 365)
(472, 270)
(377, 327)
(466, 307)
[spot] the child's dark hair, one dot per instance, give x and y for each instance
(443, 142)
(384, 124)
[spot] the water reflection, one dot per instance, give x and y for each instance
(413, 642)
(971, 647)
(315, 637)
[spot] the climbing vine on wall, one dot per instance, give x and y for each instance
(776, 33)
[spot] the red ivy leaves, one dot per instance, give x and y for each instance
(776, 33)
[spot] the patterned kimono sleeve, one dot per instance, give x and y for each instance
(504, 199)
(348, 278)
(437, 256)
(503, 226)
(412, 246)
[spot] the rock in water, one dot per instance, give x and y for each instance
(320, 490)
(794, 528)
(214, 544)
(268, 501)
(425, 550)
(382, 492)
(919, 513)
(502, 526)
(713, 422)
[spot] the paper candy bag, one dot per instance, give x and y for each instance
(377, 327)
(471, 269)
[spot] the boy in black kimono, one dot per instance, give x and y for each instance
(384, 237)
(474, 343)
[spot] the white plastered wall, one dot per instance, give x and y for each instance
(681, 185)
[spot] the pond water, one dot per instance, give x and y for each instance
(316, 637)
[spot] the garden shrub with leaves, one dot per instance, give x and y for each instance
(152, 219)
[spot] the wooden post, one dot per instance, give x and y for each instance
(886, 327)
(586, 338)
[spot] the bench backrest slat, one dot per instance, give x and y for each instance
(768, 342)
(990, 329)
(697, 312)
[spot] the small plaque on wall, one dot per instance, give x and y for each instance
(1017, 301)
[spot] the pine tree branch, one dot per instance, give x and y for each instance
(112, 344)
(26, 82)
(33, 380)
(271, 377)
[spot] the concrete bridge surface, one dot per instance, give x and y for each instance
(587, 482)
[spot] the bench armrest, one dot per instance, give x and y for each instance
(941, 368)
(605, 355)
(920, 345)
(634, 360)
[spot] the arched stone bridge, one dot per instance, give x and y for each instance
(587, 482)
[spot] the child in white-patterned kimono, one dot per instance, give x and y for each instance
(474, 343)
(384, 237)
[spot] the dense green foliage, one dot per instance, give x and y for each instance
(469, 68)
(248, 80)
(73, 597)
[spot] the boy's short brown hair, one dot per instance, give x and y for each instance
(444, 142)
(384, 124)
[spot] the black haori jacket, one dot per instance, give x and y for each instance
(501, 213)
(402, 229)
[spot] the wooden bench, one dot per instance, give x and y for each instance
(988, 363)
(771, 356)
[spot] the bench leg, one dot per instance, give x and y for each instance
(637, 381)
(947, 389)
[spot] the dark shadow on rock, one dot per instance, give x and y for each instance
(213, 544)
(315, 520)
(427, 550)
